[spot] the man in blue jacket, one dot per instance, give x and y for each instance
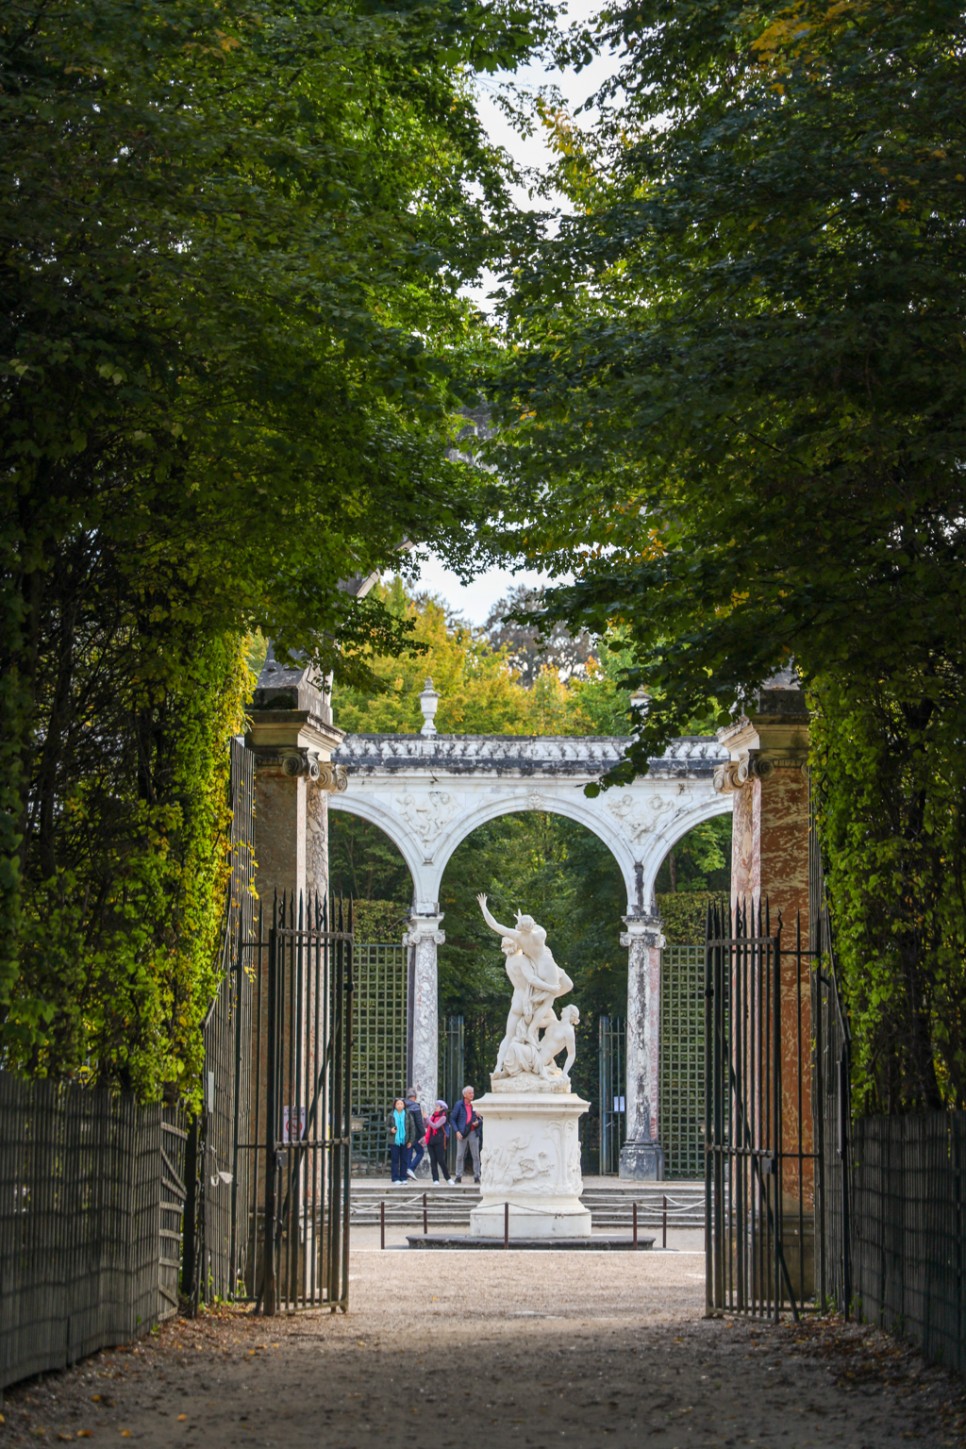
(469, 1129)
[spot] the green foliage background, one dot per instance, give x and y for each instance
(233, 355)
(732, 404)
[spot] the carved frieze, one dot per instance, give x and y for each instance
(427, 813)
(493, 754)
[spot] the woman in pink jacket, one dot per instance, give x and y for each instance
(437, 1135)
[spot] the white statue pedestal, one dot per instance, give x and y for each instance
(530, 1159)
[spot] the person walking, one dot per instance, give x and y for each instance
(399, 1125)
(468, 1128)
(416, 1152)
(437, 1136)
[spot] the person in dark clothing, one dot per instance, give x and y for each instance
(468, 1126)
(437, 1135)
(399, 1127)
(417, 1150)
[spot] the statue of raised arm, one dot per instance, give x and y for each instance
(531, 939)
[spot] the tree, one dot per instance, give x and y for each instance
(232, 360)
(480, 690)
(508, 626)
(733, 405)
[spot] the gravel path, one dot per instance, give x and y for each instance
(484, 1349)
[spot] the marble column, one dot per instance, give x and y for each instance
(642, 1156)
(424, 936)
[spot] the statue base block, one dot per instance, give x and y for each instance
(642, 1162)
(530, 1159)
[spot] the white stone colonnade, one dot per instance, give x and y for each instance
(429, 792)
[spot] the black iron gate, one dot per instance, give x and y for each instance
(300, 1112)
(610, 1085)
(762, 1165)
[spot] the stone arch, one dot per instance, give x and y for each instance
(389, 824)
(428, 793)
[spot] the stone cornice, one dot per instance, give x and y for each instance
(281, 729)
(555, 755)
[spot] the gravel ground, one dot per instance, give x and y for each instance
(476, 1350)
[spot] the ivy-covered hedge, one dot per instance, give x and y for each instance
(684, 914)
(889, 769)
(123, 882)
(379, 921)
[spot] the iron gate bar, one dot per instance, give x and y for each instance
(756, 1125)
(309, 1140)
(301, 1108)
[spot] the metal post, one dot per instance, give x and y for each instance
(271, 1119)
(506, 1225)
(634, 1221)
(382, 1224)
(664, 1223)
(425, 1214)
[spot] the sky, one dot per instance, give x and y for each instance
(474, 601)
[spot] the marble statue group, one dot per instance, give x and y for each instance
(535, 1035)
(530, 1174)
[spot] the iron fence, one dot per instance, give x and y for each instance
(833, 1125)
(91, 1193)
(295, 1157)
(891, 1200)
(909, 1229)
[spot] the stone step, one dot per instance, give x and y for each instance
(611, 1206)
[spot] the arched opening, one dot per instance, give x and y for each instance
(366, 867)
(566, 877)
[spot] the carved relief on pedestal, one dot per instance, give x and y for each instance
(515, 1163)
(544, 1160)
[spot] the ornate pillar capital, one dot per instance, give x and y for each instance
(333, 778)
(424, 929)
(643, 930)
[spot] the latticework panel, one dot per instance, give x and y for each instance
(682, 1061)
(379, 1041)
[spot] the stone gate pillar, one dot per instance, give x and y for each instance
(293, 738)
(423, 937)
(642, 1156)
(767, 775)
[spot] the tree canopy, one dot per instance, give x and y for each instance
(232, 360)
(733, 405)
(481, 691)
